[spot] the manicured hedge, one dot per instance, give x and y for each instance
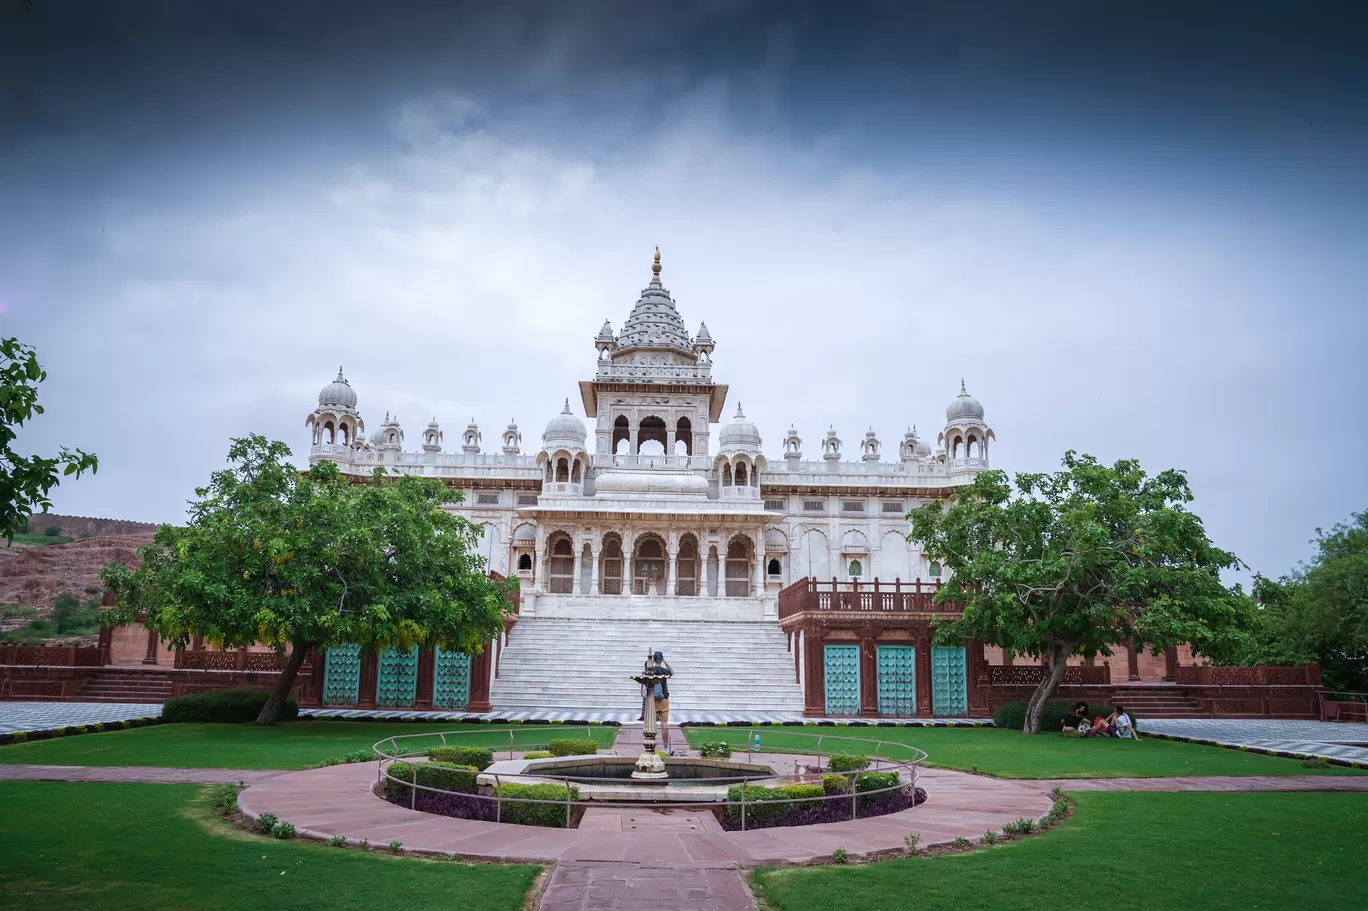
(840, 763)
(479, 757)
(444, 776)
(875, 781)
(539, 754)
(551, 815)
(572, 747)
(1012, 715)
(758, 808)
(835, 784)
(224, 706)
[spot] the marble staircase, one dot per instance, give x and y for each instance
(736, 666)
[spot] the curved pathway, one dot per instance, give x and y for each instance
(338, 801)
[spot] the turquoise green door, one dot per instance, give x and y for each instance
(842, 666)
(396, 683)
(450, 680)
(949, 685)
(342, 675)
(897, 680)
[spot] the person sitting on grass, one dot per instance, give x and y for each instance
(1077, 718)
(1121, 725)
(1100, 727)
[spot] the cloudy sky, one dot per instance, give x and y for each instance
(1135, 230)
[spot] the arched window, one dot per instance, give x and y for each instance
(562, 469)
(575, 472)
(726, 476)
(648, 573)
(855, 569)
(652, 429)
(686, 567)
(562, 574)
(330, 431)
(738, 568)
(972, 450)
(683, 437)
(622, 436)
(935, 570)
(741, 474)
(525, 563)
(611, 581)
(774, 569)
(343, 438)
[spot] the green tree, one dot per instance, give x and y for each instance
(1320, 609)
(25, 481)
(1077, 560)
(301, 561)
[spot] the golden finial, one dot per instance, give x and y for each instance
(655, 267)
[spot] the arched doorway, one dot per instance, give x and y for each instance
(610, 581)
(687, 563)
(561, 577)
(739, 568)
(648, 566)
(651, 430)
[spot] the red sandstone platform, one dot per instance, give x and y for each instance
(339, 801)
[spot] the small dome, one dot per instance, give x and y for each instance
(923, 448)
(964, 407)
(740, 433)
(565, 431)
(338, 393)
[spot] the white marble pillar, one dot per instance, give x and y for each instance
(595, 549)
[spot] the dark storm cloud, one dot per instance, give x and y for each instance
(1135, 229)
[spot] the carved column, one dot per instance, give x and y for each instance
(151, 647)
(1132, 661)
(595, 550)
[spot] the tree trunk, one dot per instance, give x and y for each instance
(1058, 655)
(270, 712)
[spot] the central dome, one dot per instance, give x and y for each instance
(655, 323)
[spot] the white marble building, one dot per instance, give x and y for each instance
(649, 512)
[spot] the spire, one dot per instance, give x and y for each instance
(739, 415)
(340, 378)
(963, 391)
(655, 267)
(567, 406)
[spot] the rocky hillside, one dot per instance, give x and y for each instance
(35, 576)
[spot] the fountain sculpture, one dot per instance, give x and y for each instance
(649, 766)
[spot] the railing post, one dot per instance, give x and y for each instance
(413, 786)
(743, 805)
(567, 803)
(498, 799)
(510, 743)
(853, 813)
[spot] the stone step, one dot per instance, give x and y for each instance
(586, 663)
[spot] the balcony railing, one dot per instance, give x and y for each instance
(876, 596)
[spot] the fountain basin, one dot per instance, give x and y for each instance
(683, 784)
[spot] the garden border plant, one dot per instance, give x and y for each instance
(74, 730)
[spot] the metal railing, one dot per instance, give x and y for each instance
(879, 763)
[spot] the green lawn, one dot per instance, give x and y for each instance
(1011, 754)
(152, 846)
(295, 745)
(1172, 851)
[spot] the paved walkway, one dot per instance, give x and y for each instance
(646, 887)
(1327, 739)
(152, 774)
(339, 801)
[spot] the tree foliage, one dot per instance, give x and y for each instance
(1074, 561)
(310, 561)
(26, 481)
(1320, 609)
